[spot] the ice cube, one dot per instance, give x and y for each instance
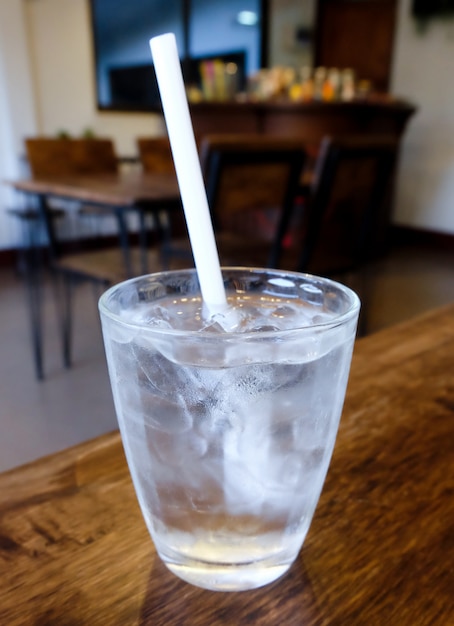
(148, 406)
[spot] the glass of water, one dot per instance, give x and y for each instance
(229, 423)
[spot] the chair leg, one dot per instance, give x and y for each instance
(67, 321)
(31, 265)
(34, 295)
(63, 288)
(163, 228)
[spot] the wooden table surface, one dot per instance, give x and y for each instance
(74, 549)
(114, 190)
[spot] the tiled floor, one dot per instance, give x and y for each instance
(70, 406)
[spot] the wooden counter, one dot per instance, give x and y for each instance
(311, 120)
(74, 549)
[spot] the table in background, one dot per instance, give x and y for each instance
(116, 194)
(74, 548)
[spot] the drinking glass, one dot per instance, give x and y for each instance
(229, 422)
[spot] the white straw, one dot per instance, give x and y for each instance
(184, 150)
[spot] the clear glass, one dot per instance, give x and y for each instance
(229, 424)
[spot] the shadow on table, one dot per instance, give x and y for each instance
(289, 600)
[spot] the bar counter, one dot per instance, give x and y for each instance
(309, 120)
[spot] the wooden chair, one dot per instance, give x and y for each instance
(155, 154)
(79, 257)
(251, 183)
(49, 156)
(347, 210)
(52, 156)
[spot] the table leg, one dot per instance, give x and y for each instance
(124, 240)
(33, 279)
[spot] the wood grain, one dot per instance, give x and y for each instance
(74, 549)
(155, 154)
(308, 121)
(113, 190)
(49, 156)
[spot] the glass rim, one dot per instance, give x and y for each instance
(337, 319)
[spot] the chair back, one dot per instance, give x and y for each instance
(60, 157)
(251, 183)
(155, 154)
(349, 202)
(49, 156)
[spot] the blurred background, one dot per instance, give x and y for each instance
(65, 70)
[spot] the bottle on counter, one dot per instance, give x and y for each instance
(331, 88)
(307, 84)
(320, 76)
(347, 85)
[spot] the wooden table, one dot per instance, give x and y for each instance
(126, 190)
(74, 549)
(118, 194)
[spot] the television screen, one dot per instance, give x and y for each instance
(204, 29)
(135, 88)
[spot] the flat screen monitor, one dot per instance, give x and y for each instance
(204, 29)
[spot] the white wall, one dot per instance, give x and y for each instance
(423, 71)
(17, 112)
(63, 65)
(287, 17)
